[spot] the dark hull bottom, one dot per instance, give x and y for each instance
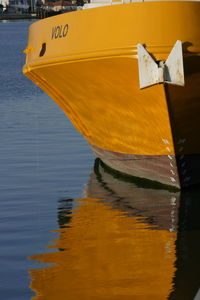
(177, 171)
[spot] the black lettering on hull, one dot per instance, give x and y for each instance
(59, 31)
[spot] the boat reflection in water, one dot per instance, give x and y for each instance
(123, 241)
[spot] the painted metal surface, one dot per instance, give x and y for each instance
(173, 67)
(169, 71)
(174, 170)
(157, 168)
(89, 66)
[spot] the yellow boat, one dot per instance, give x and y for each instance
(127, 76)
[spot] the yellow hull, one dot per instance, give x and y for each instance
(87, 62)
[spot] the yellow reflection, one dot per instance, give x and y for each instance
(109, 252)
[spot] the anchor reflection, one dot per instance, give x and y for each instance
(123, 241)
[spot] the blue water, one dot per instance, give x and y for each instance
(42, 159)
(62, 215)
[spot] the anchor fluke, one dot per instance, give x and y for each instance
(170, 71)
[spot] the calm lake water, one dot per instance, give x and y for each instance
(68, 228)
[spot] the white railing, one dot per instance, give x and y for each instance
(98, 3)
